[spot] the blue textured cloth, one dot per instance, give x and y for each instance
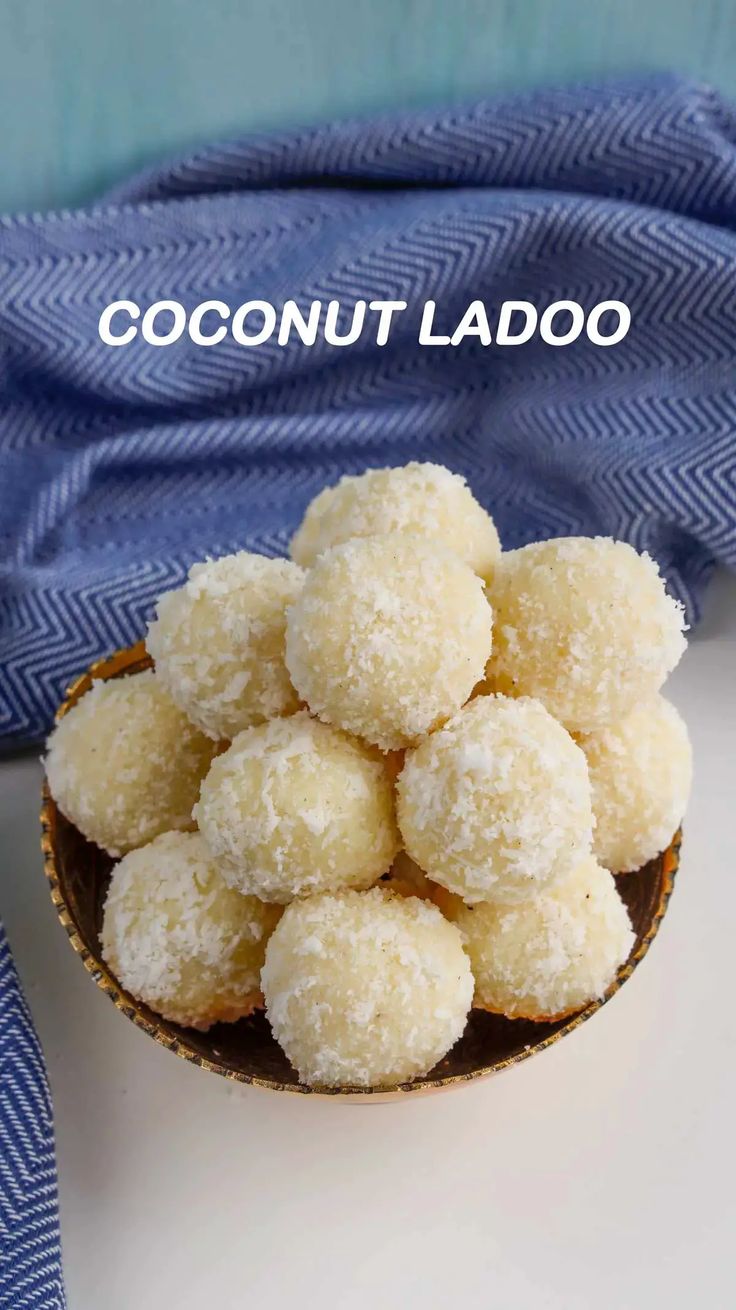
(122, 466)
(30, 1261)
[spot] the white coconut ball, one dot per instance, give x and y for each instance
(218, 642)
(585, 625)
(177, 938)
(295, 807)
(124, 764)
(496, 804)
(424, 499)
(640, 775)
(550, 955)
(365, 989)
(388, 637)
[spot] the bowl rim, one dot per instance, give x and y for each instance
(135, 658)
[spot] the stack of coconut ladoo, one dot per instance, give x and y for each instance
(383, 782)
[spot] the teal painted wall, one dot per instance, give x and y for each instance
(90, 89)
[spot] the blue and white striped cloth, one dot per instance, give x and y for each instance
(119, 467)
(30, 1265)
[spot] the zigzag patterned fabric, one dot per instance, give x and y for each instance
(30, 1260)
(122, 466)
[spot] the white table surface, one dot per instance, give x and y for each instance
(598, 1174)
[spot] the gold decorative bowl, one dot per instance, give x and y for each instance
(79, 872)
